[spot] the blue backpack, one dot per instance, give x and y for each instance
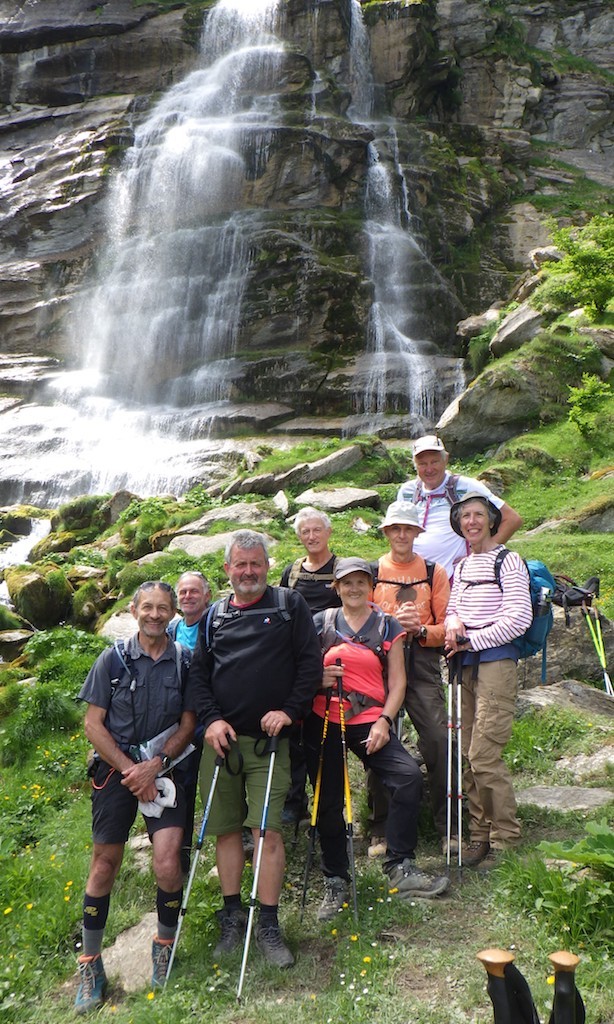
(543, 586)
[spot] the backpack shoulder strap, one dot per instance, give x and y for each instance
(499, 560)
(120, 660)
(214, 616)
(329, 629)
(374, 567)
(182, 662)
(295, 572)
(280, 596)
(430, 572)
(451, 488)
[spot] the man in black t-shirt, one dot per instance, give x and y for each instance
(255, 674)
(312, 576)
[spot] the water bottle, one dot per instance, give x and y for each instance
(543, 602)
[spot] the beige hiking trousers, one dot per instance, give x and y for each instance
(487, 709)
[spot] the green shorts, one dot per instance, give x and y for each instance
(239, 799)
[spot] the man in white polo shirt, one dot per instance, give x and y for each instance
(434, 491)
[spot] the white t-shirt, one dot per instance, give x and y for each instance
(440, 543)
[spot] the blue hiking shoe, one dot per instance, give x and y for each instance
(91, 990)
(161, 950)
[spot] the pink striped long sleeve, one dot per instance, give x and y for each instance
(492, 617)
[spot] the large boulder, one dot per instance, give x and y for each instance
(41, 594)
(519, 326)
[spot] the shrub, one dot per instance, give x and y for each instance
(587, 409)
(67, 641)
(40, 708)
(584, 277)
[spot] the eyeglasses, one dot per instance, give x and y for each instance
(154, 585)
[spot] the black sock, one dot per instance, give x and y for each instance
(233, 902)
(168, 905)
(268, 914)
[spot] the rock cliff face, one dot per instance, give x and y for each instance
(474, 94)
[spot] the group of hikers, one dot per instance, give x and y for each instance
(319, 666)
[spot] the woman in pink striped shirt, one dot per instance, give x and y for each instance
(487, 611)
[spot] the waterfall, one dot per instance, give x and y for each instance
(166, 313)
(159, 324)
(402, 368)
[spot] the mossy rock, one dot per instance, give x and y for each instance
(80, 513)
(40, 593)
(55, 543)
(88, 603)
(6, 538)
(16, 521)
(8, 619)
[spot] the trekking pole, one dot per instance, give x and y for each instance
(450, 726)
(567, 1006)
(316, 803)
(219, 761)
(349, 827)
(272, 745)
(509, 992)
(597, 638)
(458, 658)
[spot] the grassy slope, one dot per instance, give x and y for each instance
(401, 962)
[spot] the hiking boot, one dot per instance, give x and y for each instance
(335, 895)
(232, 928)
(161, 950)
(271, 944)
(411, 883)
(377, 847)
(90, 993)
(453, 846)
(475, 852)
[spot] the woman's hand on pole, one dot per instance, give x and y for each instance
(330, 675)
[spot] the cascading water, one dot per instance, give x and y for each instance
(402, 370)
(169, 303)
(159, 329)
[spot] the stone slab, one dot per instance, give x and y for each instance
(565, 798)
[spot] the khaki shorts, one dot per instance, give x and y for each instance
(239, 799)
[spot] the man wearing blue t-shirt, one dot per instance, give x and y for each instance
(193, 600)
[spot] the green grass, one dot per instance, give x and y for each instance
(402, 961)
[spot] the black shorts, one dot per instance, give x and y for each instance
(114, 808)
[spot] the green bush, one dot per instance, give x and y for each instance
(573, 907)
(588, 410)
(40, 708)
(585, 275)
(65, 640)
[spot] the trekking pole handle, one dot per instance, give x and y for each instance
(495, 961)
(462, 639)
(564, 961)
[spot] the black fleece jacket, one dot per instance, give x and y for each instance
(257, 663)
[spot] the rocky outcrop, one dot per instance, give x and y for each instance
(465, 87)
(517, 327)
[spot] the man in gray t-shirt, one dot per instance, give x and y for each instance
(133, 696)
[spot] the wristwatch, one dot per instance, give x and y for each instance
(166, 761)
(422, 633)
